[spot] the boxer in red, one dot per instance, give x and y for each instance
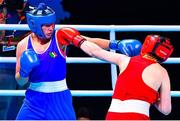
(142, 81)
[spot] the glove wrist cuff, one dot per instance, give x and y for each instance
(78, 40)
(23, 73)
(113, 44)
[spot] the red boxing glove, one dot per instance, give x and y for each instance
(69, 35)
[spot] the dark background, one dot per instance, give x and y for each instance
(98, 76)
(119, 12)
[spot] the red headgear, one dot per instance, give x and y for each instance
(158, 47)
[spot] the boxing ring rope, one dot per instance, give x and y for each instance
(104, 28)
(78, 93)
(174, 60)
(99, 28)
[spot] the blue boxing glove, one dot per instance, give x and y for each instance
(129, 47)
(28, 61)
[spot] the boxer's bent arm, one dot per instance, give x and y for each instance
(20, 48)
(164, 103)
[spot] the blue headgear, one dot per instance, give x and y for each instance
(39, 16)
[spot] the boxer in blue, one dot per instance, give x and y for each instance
(41, 60)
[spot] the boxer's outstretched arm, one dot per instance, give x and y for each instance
(97, 52)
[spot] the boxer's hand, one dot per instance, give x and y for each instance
(28, 61)
(129, 47)
(69, 35)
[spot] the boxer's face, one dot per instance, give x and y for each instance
(48, 30)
